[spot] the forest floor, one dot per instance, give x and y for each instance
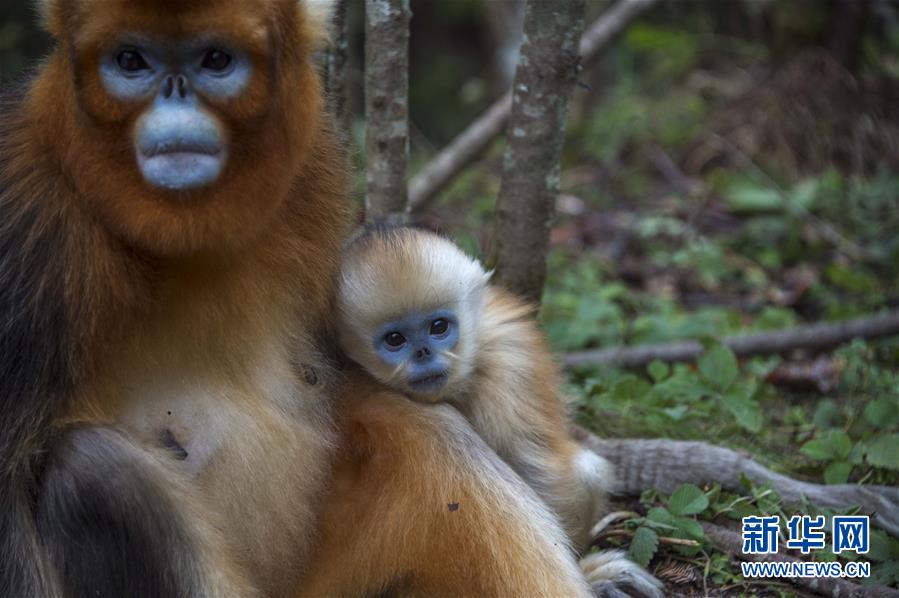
(704, 198)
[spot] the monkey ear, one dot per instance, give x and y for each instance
(321, 14)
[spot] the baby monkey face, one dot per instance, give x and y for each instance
(418, 348)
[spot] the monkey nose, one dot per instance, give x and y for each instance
(423, 353)
(175, 85)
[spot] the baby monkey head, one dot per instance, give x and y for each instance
(410, 304)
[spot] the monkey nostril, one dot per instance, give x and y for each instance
(168, 87)
(182, 86)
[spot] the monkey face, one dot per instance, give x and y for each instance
(418, 348)
(179, 144)
(173, 110)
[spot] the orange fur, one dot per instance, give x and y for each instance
(420, 507)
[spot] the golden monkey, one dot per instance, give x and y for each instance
(419, 315)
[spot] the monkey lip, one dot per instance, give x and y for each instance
(181, 149)
(181, 166)
(429, 383)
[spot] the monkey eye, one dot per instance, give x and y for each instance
(394, 339)
(439, 326)
(216, 60)
(131, 61)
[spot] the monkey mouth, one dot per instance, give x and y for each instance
(430, 383)
(181, 166)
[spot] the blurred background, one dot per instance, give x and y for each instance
(731, 166)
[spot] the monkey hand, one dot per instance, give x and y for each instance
(612, 575)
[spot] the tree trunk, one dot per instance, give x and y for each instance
(547, 69)
(386, 109)
(468, 145)
(335, 82)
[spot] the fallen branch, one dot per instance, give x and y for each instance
(468, 145)
(811, 336)
(665, 464)
(731, 543)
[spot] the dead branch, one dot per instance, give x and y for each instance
(811, 336)
(731, 543)
(468, 145)
(386, 108)
(665, 464)
(544, 81)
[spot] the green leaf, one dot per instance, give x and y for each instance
(743, 196)
(804, 194)
(745, 409)
(883, 451)
(817, 448)
(718, 365)
(658, 370)
(676, 413)
(883, 548)
(837, 472)
(882, 413)
(841, 443)
(661, 518)
(826, 414)
(836, 444)
(644, 545)
(690, 528)
(687, 499)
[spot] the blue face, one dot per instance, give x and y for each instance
(418, 341)
(179, 145)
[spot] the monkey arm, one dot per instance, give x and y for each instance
(116, 522)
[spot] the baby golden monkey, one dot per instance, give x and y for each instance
(418, 314)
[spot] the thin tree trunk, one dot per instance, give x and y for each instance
(386, 109)
(335, 82)
(547, 69)
(848, 31)
(812, 336)
(468, 145)
(664, 465)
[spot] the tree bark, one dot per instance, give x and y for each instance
(386, 109)
(468, 145)
(665, 464)
(335, 82)
(811, 336)
(547, 69)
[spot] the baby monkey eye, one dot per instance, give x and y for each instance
(394, 339)
(216, 60)
(439, 326)
(131, 61)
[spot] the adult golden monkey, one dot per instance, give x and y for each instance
(171, 213)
